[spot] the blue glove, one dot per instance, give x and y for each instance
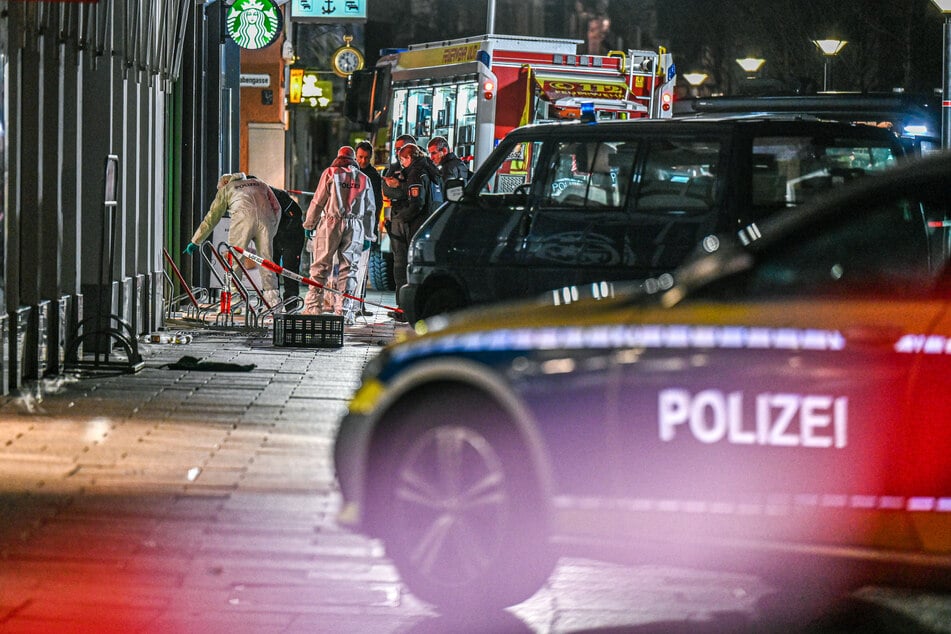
(191, 248)
(308, 233)
(366, 245)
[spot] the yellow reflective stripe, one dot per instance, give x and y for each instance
(367, 397)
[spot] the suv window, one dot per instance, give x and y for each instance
(514, 170)
(679, 176)
(790, 170)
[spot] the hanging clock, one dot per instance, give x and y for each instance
(346, 60)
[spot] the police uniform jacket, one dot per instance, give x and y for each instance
(452, 167)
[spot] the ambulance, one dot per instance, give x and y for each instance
(473, 91)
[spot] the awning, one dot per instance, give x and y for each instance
(556, 87)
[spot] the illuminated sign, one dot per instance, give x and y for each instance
(556, 89)
(307, 89)
(296, 83)
(440, 56)
(254, 24)
(329, 10)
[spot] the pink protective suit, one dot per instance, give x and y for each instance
(341, 215)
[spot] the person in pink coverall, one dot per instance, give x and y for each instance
(340, 219)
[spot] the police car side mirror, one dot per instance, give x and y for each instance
(455, 187)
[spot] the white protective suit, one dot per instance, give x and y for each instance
(255, 214)
(341, 215)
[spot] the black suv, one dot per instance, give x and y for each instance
(558, 205)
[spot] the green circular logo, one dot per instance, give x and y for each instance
(254, 23)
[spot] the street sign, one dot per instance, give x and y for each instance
(329, 10)
(254, 80)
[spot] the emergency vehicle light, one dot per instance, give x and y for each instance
(587, 112)
(488, 87)
(666, 100)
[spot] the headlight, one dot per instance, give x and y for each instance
(416, 252)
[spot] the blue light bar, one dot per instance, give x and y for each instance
(588, 114)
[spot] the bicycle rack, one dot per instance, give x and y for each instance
(251, 304)
(199, 298)
(119, 333)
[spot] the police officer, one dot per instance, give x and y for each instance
(415, 176)
(289, 240)
(450, 166)
(392, 185)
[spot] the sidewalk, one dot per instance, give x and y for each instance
(190, 501)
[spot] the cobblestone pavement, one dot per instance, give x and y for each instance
(203, 501)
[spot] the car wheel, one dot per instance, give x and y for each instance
(381, 270)
(442, 300)
(464, 520)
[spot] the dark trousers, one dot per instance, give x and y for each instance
(401, 232)
(286, 251)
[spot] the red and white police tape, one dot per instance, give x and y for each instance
(280, 270)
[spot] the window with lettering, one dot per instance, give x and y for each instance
(591, 174)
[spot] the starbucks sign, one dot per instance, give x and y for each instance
(254, 23)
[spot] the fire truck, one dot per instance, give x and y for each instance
(475, 90)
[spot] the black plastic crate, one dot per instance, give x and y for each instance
(308, 331)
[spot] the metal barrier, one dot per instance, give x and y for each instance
(254, 304)
(199, 299)
(288, 305)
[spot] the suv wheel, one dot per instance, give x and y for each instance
(442, 300)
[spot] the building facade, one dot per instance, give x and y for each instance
(111, 120)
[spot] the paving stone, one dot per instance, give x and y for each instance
(183, 501)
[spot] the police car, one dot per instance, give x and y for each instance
(779, 404)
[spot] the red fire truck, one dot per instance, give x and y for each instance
(475, 90)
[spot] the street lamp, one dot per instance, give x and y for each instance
(830, 48)
(751, 64)
(695, 79)
(945, 7)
